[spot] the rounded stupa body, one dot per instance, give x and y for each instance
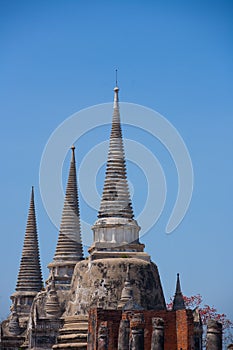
(100, 284)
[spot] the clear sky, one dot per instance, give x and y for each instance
(58, 57)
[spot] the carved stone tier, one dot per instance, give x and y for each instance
(115, 237)
(73, 334)
(63, 272)
(119, 255)
(43, 335)
(116, 230)
(23, 302)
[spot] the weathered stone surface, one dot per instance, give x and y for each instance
(103, 336)
(73, 334)
(52, 306)
(123, 337)
(198, 330)
(157, 339)
(8, 340)
(137, 325)
(127, 291)
(42, 334)
(99, 283)
(214, 335)
(14, 327)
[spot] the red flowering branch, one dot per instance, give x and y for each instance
(208, 312)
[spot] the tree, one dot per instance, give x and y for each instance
(208, 312)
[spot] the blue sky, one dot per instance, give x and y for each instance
(58, 57)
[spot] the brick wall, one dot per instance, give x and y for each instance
(96, 316)
(178, 328)
(185, 329)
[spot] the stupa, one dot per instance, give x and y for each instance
(112, 299)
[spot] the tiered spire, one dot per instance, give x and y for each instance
(178, 302)
(115, 230)
(69, 246)
(116, 200)
(29, 277)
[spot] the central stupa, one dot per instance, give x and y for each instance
(99, 280)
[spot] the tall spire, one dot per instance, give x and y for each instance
(69, 245)
(115, 230)
(178, 302)
(116, 200)
(29, 277)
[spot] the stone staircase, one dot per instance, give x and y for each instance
(73, 334)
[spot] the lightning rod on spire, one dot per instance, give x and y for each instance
(116, 76)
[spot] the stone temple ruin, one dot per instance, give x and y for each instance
(113, 299)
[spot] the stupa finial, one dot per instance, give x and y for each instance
(116, 71)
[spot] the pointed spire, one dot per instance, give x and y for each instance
(29, 277)
(115, 230)
(116, 200)
(69, 245)
(178, 302)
